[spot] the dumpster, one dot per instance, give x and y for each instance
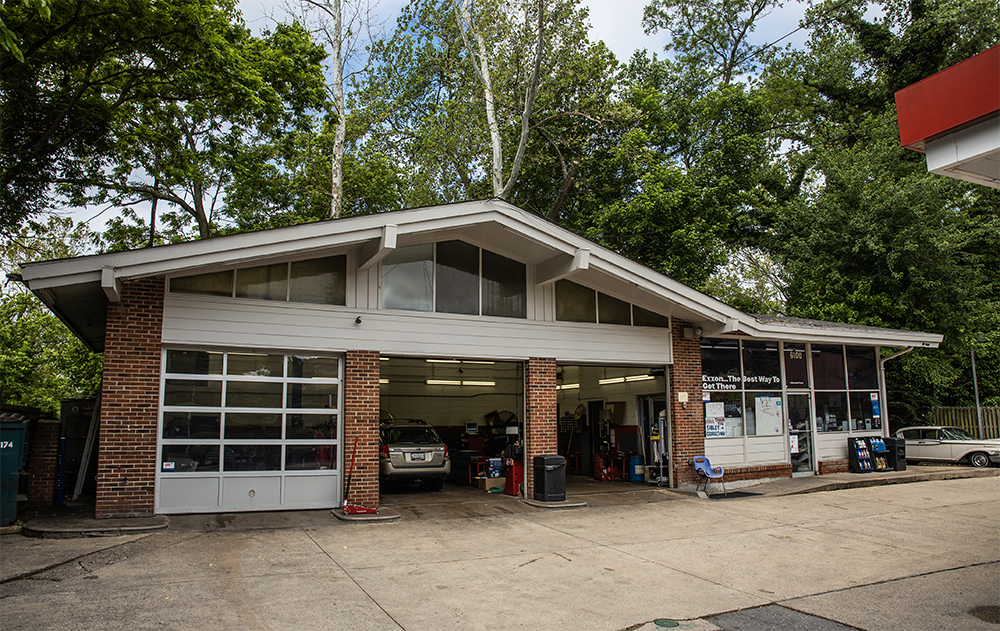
(11, 462)
(550, 478)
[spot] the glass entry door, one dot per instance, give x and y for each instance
(800, 439)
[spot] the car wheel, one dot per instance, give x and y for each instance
(434, 485)
(979, 460)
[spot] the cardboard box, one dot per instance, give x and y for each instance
(486, 484)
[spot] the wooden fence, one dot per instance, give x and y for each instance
(966, 419)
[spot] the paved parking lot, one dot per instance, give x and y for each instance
(924, 555)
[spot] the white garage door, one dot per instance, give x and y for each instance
(242, 431)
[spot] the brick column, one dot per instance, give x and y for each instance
(126, 462)
(688, 428)
(541, 426)
(361, 417)
(42, 464)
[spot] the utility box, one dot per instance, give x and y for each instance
(550, 478)
(11, 462)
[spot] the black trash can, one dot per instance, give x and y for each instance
(896, 453)
(550, 478)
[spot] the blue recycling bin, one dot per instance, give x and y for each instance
(11, 462)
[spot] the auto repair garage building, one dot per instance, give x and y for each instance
(243, 372)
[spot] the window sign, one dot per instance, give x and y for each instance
(796, 366)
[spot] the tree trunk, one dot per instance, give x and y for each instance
(337, 159)
(483, 73)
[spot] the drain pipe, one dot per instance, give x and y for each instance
(883, 392)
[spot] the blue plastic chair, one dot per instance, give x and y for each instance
(708, 473)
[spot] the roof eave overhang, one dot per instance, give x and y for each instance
(556, 253)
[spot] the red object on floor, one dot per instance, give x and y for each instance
(513, 470)
(355, 509)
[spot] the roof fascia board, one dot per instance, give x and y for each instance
(885, 337)
(76, 276)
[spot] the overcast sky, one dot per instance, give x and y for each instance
(617, 22)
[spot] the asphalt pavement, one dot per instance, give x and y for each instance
(823, 553)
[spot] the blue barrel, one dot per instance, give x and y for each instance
(637, 469)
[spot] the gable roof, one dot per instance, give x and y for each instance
(78, 290)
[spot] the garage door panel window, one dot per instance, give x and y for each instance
(191, 424)
(310, 426)
(310, 457)
(194, 362)
(253, 426)
(201, 393)
(312, 395)
(253, 394)
(189, 458)
(251, 458)
(313, 367)
(255, 365)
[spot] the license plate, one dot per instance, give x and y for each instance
(418, 455)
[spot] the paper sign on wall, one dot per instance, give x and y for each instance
(768, 414)
(715, 421)
(715, 428)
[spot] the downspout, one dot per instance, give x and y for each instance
(666, 433)
(883, 392)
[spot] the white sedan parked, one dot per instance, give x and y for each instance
(948, 444)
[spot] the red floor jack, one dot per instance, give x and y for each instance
(355, 509)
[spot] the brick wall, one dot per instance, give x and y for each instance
(42, 464)
(839, 465)
(541, 425)
(758, 472)
(361, 417)
(130, 393)
(688, 431)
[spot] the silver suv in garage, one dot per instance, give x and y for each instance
(411, 450)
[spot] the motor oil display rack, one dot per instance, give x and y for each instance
(867, 453)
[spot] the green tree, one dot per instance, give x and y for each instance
(41, 361)
(864, 233)
(221, 154)
(468, 98)
(80, 65)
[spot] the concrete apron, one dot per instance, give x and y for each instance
(463, 560)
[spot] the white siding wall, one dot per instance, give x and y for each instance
(725, 452)
(746, 451)
(833, 445)
(227, 322)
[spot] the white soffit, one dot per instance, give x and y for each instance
(971, 154)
